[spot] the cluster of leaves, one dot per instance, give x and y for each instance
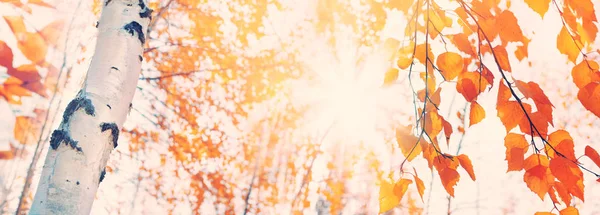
(486, 30)
(35, 75)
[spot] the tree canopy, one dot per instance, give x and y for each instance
(358, 107)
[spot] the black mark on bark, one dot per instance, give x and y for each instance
(114, 131)
(102, 174)
(141, 58)
(107, 1)
(115, 68)
(59, 136)
(97, 23)
(145, 11)
(135, 27)
(77, 183)
(76, 104)
(107, 105)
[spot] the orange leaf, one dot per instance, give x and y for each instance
(465, 162)
(539, 6)
(569, 211)
(447, 129)
(477, 113)
(563, 193)
(421, 54)
(562, 141)
(566, 172)
(537, 174)
(6, 55)
(6, 155)
(539, 121)
(589, 96)
(544, 213)
(584, 73)
(451, 64)
(592, 154)
(516, 147)
(446, 168)
(468, 87)
(16, 24)
(33, 47)
(502, 57)
(420, 186)
(565, 45)
(433, 124)
(405, 56)
(511, 113)
(408, 143)
(508, 27)
(26, 73)
(533, 91)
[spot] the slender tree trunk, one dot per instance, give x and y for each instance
(81, 146)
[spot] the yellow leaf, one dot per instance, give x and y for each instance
(565, 44)
(451, 64)
(477, 113)
(391, 194)
(539, 6)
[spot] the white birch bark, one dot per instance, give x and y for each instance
(80, 147)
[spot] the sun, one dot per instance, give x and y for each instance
(344, 92)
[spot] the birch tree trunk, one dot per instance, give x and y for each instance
(80, 147)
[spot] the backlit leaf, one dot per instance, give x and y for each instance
(516, 147)
(537, 174)
(566, 46)
(420, 186)
(561, 141)
(502, 57)
(451, 64)
(477, 113)
(585, 72)
(569, 211)
(465, 162)
(446, 168)
(593, 155)
(589, 96)
(408, 143)
(539, 6)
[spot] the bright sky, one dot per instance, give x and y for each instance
(359, 107)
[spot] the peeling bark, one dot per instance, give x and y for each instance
(80, 147)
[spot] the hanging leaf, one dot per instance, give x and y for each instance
(593, 155)
(516, 147)
(408, 143)
(451, 64)
(589, 96)
(477, 113)
(539, 6)
(465, 162)
(537, 174)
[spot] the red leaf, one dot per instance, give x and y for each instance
(589, 96)
(6, 56)
(593, 155)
